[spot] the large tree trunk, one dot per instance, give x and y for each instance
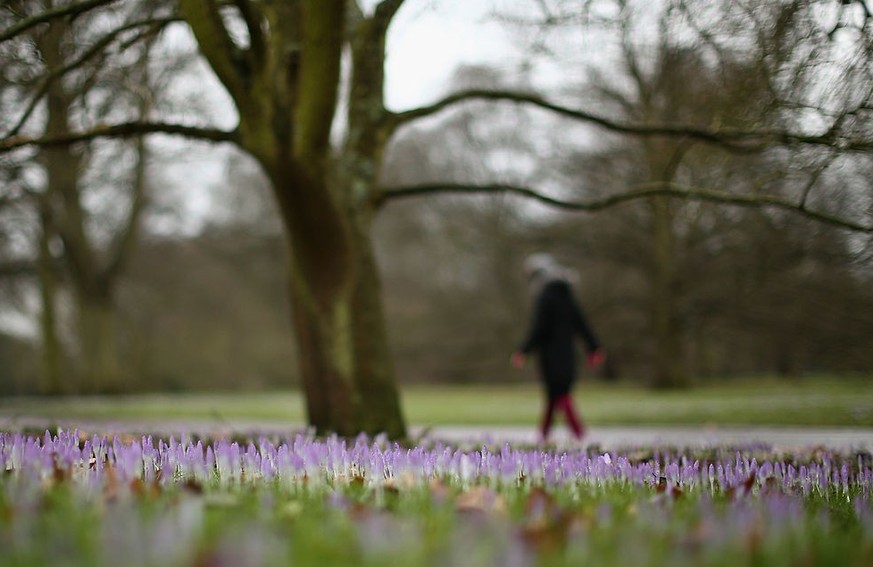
(335, 294)
(345, 362)
(101, 369)
(324, 337)
(374, 371)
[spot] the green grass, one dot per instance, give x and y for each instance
(75, 514)
(761, 402)
(808, 402)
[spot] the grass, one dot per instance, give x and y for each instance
(86, 501)
(807, 402)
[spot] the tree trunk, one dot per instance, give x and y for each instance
(285, 86)
(101, 370)
(324, 337)
(51, 383)
(345, 362)
(374, 370)
(669, 370)
(335, 292)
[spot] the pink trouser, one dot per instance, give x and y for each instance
(565, 404)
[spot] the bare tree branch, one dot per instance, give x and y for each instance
(14, 269)
(123, 130)
(253, 20)
(636, 192)
(216, 45)
(743, 141)
(48, 15)
(121, 249)
(126, 239)
(155, 25)
(386, 10)
(323, 26)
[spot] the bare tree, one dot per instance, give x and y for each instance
(280, 64)
(74, 84)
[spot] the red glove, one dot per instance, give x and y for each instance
(596, 357)
(518, 359)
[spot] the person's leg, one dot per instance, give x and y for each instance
(548, 415)
(565, 402)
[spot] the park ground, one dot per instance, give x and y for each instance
(833, 412)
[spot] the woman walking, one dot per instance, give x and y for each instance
(557, 320)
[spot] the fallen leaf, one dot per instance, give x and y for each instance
(547, 525)
(439, 490)
(480, 499)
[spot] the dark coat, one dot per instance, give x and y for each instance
(557, 319)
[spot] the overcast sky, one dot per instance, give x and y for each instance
(429, 40)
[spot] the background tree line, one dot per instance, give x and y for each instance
(766, 108)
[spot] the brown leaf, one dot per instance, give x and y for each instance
(547, 525)
(60, 474)
(480, 499)
(544, 539)
(145, 489)
(540, 507)
(191, 485)
(749, 483)
(771, 486)
(439, 490)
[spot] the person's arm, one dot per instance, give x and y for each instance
(537, 331)
(595, 354)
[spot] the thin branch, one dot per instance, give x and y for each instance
(743, 141)
(126, 239)
(386, 10)
(48, 15)
(636, 192)
(123, 130)
(707, 37)
(17, 268)
(216, 45)
(253, 20)
(124, 244)
(98, 47)
(816, 175)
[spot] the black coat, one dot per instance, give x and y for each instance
(557, 319)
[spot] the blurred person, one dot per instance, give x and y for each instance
(557, 319)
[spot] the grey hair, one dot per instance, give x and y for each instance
(542, 268)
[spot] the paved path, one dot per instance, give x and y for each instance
(606, 437)
(613, 437)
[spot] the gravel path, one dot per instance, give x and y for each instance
(606, 437)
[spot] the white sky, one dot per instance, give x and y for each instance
(429, 40)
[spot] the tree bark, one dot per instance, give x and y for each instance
(101, 368)
(324, 336)
(669, 369)
(335, 292)
(52, 353)
(374, 372)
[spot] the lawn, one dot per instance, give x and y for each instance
(92, 500)
(807, 402)
(272, 499)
